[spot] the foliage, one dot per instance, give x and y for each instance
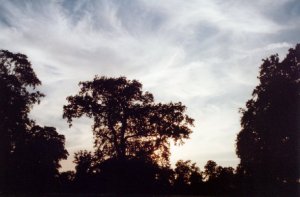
(127, 122)
(188, 177)
(186, 171)
(66, 181)
(210, 172)
(17, 81)
(29, 154)
(36, 159)
(216, 176)
(268, 144)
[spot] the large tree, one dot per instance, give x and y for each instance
(268, 144)
(29, 154)
(127, 121)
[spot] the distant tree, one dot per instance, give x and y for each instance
(67, 176)
(29, 154)
(268, 144)
(210, 170)
(127, 122)
(219, 180)
(225, 174)
(133, 175)
(226, 180)
(85, 166)
(188, 177)
(66, 182)
(84, 163)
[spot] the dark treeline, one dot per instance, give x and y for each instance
(133, 134)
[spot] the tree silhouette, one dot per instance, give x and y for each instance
(210, 170)
(134, 175)
(36, 159)
(85, 170)
(29, 154)
(84, 164)
(66, 182)
(268, 144)
(222, 178)
(188, 178)
(127, 122)
(132, 135)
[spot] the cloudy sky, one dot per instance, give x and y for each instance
(204, 53)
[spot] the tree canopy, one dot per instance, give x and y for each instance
(127, 122)
(188, 177)
(29, 154)
(17, 83)
(268, 144)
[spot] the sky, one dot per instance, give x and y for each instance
(205, 54)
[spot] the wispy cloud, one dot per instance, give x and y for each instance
(203, 53)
